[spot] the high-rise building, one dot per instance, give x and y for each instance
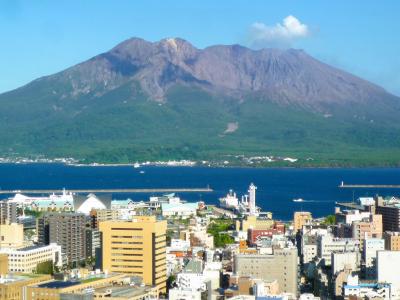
(8, 212)
(252, 200)
(390, 214)
(388, 266)
(370, 248)
(65, 229)
(301, 218)
(92, 242)
(136, 247)
(280, 266)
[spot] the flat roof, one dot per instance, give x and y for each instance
(58, 284)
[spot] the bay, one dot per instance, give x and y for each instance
(276, 187)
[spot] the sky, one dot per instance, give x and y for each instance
(40, 38)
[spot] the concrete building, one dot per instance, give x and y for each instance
(301, 218)
(388, 266)
(53, 289)
(390, 211)
(282, 266)
(353, 289)
(8, 212)
(392, 240)
(3, 264)
(92, 242)
(345, 260)
(25, 260)
(64, 229)
(11, 235)
(370, 228)
(100, 215)
(370, 249)
(327, 244)
(13, 287)
(136, 247)
(180, 209)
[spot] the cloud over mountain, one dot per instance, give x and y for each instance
(282, 34)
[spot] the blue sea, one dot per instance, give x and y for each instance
(277, 187)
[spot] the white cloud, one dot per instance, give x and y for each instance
(280, 35)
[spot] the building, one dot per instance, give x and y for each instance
(370, 249)
(370, 228)
(388, 266)
(390, 211)
(3, 264)
(301, 218)
(392, 240)
(353, 289)
(136, 247)
(92, 242)
(100, 215)
(91, 202)
(11, 235)
(180, 209)
(13, 287)
(255, 235)
(281, 266)
(65, 289)
(26, 260)
(345, 260)
(327, 244)
(8, 212)
(64, 229)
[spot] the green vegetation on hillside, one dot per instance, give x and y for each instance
(217, 229)
(124, 126)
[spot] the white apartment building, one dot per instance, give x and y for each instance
(25, 260)
(388, 266)
(371, 247)
(328, 244)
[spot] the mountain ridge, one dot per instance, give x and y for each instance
(141, 98)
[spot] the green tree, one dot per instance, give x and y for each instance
(45, 267)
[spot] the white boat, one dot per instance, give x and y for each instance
(141, 172)
(298, 200)
(136, 165)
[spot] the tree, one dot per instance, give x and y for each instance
(45, 267)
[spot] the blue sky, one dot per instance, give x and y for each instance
(42, 37)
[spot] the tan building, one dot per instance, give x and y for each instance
(280, 266)
(254, 223)
(301, 218)
(392, 240)
(367, 229)
(11, 235)
(13, 287)
(136, 247)
(3, 264)
(52, 289)
(101, 215)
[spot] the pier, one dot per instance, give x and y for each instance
(369, 186)
(87, 191)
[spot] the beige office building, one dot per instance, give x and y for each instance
(136, 247)
(280, 266)
(301, 218)
(11, 236)
(13, 287)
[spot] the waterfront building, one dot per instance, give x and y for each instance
(54, 202)
(26, 260)
(281, 265)
(136, 247)
(11, 235)
(64, 229)
(183, 210)
(301, 218)
(91, 202)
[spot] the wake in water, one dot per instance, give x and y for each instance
(300, 200)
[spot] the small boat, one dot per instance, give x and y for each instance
(298, 200)
(141, 172)
(136, 165)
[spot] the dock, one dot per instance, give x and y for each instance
(97, 191)
(369, 186)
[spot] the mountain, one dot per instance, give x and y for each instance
(170, 100)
